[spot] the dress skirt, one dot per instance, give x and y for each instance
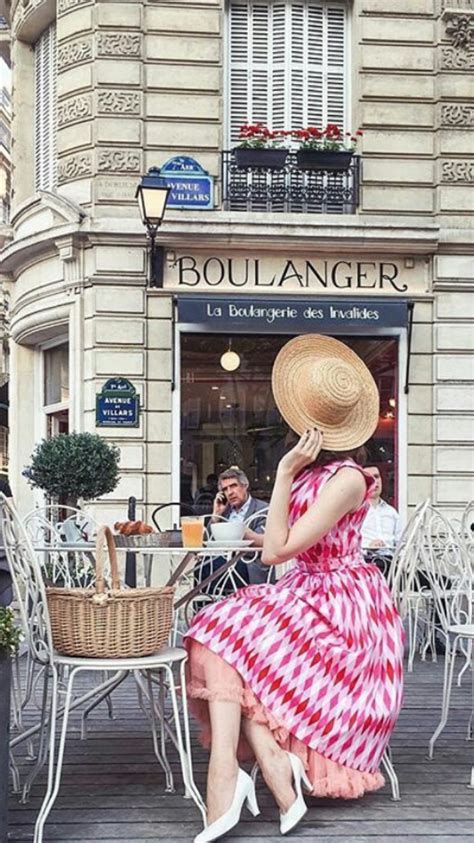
(211, 678)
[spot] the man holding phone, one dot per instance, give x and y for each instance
(235, 503)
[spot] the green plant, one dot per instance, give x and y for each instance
(10, 635)
(74, 465)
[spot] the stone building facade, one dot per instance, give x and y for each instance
(124, 86)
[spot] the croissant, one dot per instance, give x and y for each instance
(132, 528)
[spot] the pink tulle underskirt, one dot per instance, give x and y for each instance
(211, 678)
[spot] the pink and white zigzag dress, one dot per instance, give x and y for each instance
(319, 653)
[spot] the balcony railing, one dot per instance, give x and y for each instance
(289, 190)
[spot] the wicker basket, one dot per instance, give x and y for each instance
(109, 624)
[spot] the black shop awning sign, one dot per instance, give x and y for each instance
(239, 314)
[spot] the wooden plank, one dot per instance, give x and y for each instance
(113, 788)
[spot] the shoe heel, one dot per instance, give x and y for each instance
(252, 803)
(306, 782)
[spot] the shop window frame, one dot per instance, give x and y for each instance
(401, 439)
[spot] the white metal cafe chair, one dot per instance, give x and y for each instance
(31, 596)
(447, 567)
(53, 526)
(410, 597)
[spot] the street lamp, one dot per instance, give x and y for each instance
(152, 194)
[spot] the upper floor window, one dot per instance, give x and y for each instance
(56, 388)
(45, 110)
(288, 63)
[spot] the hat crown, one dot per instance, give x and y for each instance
(330, 389)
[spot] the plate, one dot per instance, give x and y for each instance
(230, 544)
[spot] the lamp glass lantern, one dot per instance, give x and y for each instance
(152, 194)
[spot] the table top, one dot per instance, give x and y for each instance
(219, 550)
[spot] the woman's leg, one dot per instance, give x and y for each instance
(223, 767)
(273, 762)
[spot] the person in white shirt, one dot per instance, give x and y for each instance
(382, 526)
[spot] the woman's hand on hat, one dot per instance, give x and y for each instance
(303, 453)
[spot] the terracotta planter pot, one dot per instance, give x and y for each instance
(322, 159)
(268, 159)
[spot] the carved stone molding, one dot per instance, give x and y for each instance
(457, 114)
(453, 59)
(74, 52)
(126, 44)
(457, 4)
(68, 5)
(459, 28)
(76, 108)
(119, 161)
(75, 167)
(458, 171)
(119, 102)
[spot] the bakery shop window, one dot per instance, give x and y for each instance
(229, 417)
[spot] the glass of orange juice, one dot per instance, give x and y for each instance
(192, 531)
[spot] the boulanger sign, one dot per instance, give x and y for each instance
(281, 315)
(275, 273)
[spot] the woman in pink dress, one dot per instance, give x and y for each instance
(304, 676)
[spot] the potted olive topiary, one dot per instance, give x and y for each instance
(74, 466)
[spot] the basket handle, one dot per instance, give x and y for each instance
(104, 536)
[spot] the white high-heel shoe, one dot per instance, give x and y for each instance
(244, 792)
(297, 811)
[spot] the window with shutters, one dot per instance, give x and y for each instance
(45, 110)
(287, 63)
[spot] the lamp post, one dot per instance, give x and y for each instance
(152, 194)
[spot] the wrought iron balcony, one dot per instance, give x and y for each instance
(290, 189)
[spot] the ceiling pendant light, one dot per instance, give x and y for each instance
(230, 360)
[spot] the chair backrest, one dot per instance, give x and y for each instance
(403, 577)
(176, 510)
(48, 526)
(446, 566)
(27, 583)
(55, 524)
(467, 523)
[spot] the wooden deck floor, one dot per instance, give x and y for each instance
(112, 789)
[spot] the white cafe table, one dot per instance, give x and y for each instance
(183, 561)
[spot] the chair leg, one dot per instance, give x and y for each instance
(155, 717)
(184, 750)
(468, 663)
(54, 776)
(390, 770)
(42, 745)
(15, 774)
(448, 684)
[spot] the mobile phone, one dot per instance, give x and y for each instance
(221, 497)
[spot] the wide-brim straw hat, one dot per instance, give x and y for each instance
(320, 382)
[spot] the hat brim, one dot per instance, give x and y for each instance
(361, 421)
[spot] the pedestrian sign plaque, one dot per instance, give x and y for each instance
(117, 404)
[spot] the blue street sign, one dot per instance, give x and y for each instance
(117, 404)
(191, 186)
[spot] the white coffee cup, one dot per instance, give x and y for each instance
(228, 531)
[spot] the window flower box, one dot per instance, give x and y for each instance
(269, 159)
(324, 159)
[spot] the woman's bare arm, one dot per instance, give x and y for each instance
(342, 493)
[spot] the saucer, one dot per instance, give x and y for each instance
(229, 544)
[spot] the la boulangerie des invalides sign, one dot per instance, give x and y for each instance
(278, 273)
